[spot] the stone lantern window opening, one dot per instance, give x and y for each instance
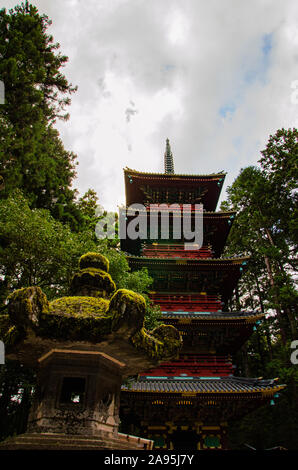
(73, 390)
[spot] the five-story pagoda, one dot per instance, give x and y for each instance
(188, 402)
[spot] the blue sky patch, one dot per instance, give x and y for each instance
(267, 44)
(228, 108)
(259, 72)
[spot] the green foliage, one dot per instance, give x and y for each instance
(16, 387)
(88, 207)
(266, 202)
(36, 249)
(32, 155)
(30, 67)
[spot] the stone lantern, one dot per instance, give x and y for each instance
(83, 347)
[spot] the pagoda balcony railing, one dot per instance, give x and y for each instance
(183, 297)
(199, 365)
(175, 251)
(195, 303)
(209, 358)
(190, 308)
(176, 207)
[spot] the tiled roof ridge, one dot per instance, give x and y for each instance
(210, 314)
(125, 206)
(198, 385)
(174, 175)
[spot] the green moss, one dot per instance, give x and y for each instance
(143, 340)
(87, 316)
(162, 343)
(170, 337)
(92, 281)
(128, 312)
(72, 306)
(130, 297)
(166, 333)
(94, 260)
(76, 319)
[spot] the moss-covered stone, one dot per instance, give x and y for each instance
(128, 312)
(94, 260)
(170, 337)
(92, 282)
(88, 316)
(163, 345)
(76, 319)
(25, 306)
(88, 306)
(145, 341)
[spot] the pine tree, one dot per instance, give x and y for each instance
(32, 155)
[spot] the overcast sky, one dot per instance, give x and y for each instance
(213, 76)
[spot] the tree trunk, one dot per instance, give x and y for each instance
(277, 308)
(237, 298)
(267, 332)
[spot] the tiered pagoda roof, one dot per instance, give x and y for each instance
(152, 188)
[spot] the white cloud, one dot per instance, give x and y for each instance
(215, 77)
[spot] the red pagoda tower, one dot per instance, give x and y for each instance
(187, 403)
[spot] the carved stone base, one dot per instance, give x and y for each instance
(77, 394)
(76, 405)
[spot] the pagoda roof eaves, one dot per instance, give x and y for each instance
(204, 213)
(174, 175)
(249, 317)
(198, 386)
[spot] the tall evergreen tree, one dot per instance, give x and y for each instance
(262, 230)
(265, 198)
(32, 155)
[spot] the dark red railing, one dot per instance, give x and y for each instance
(193, 366)
(175, 251)
(175, 209)
(187, 303)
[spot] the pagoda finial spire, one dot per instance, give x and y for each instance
(168, 160)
